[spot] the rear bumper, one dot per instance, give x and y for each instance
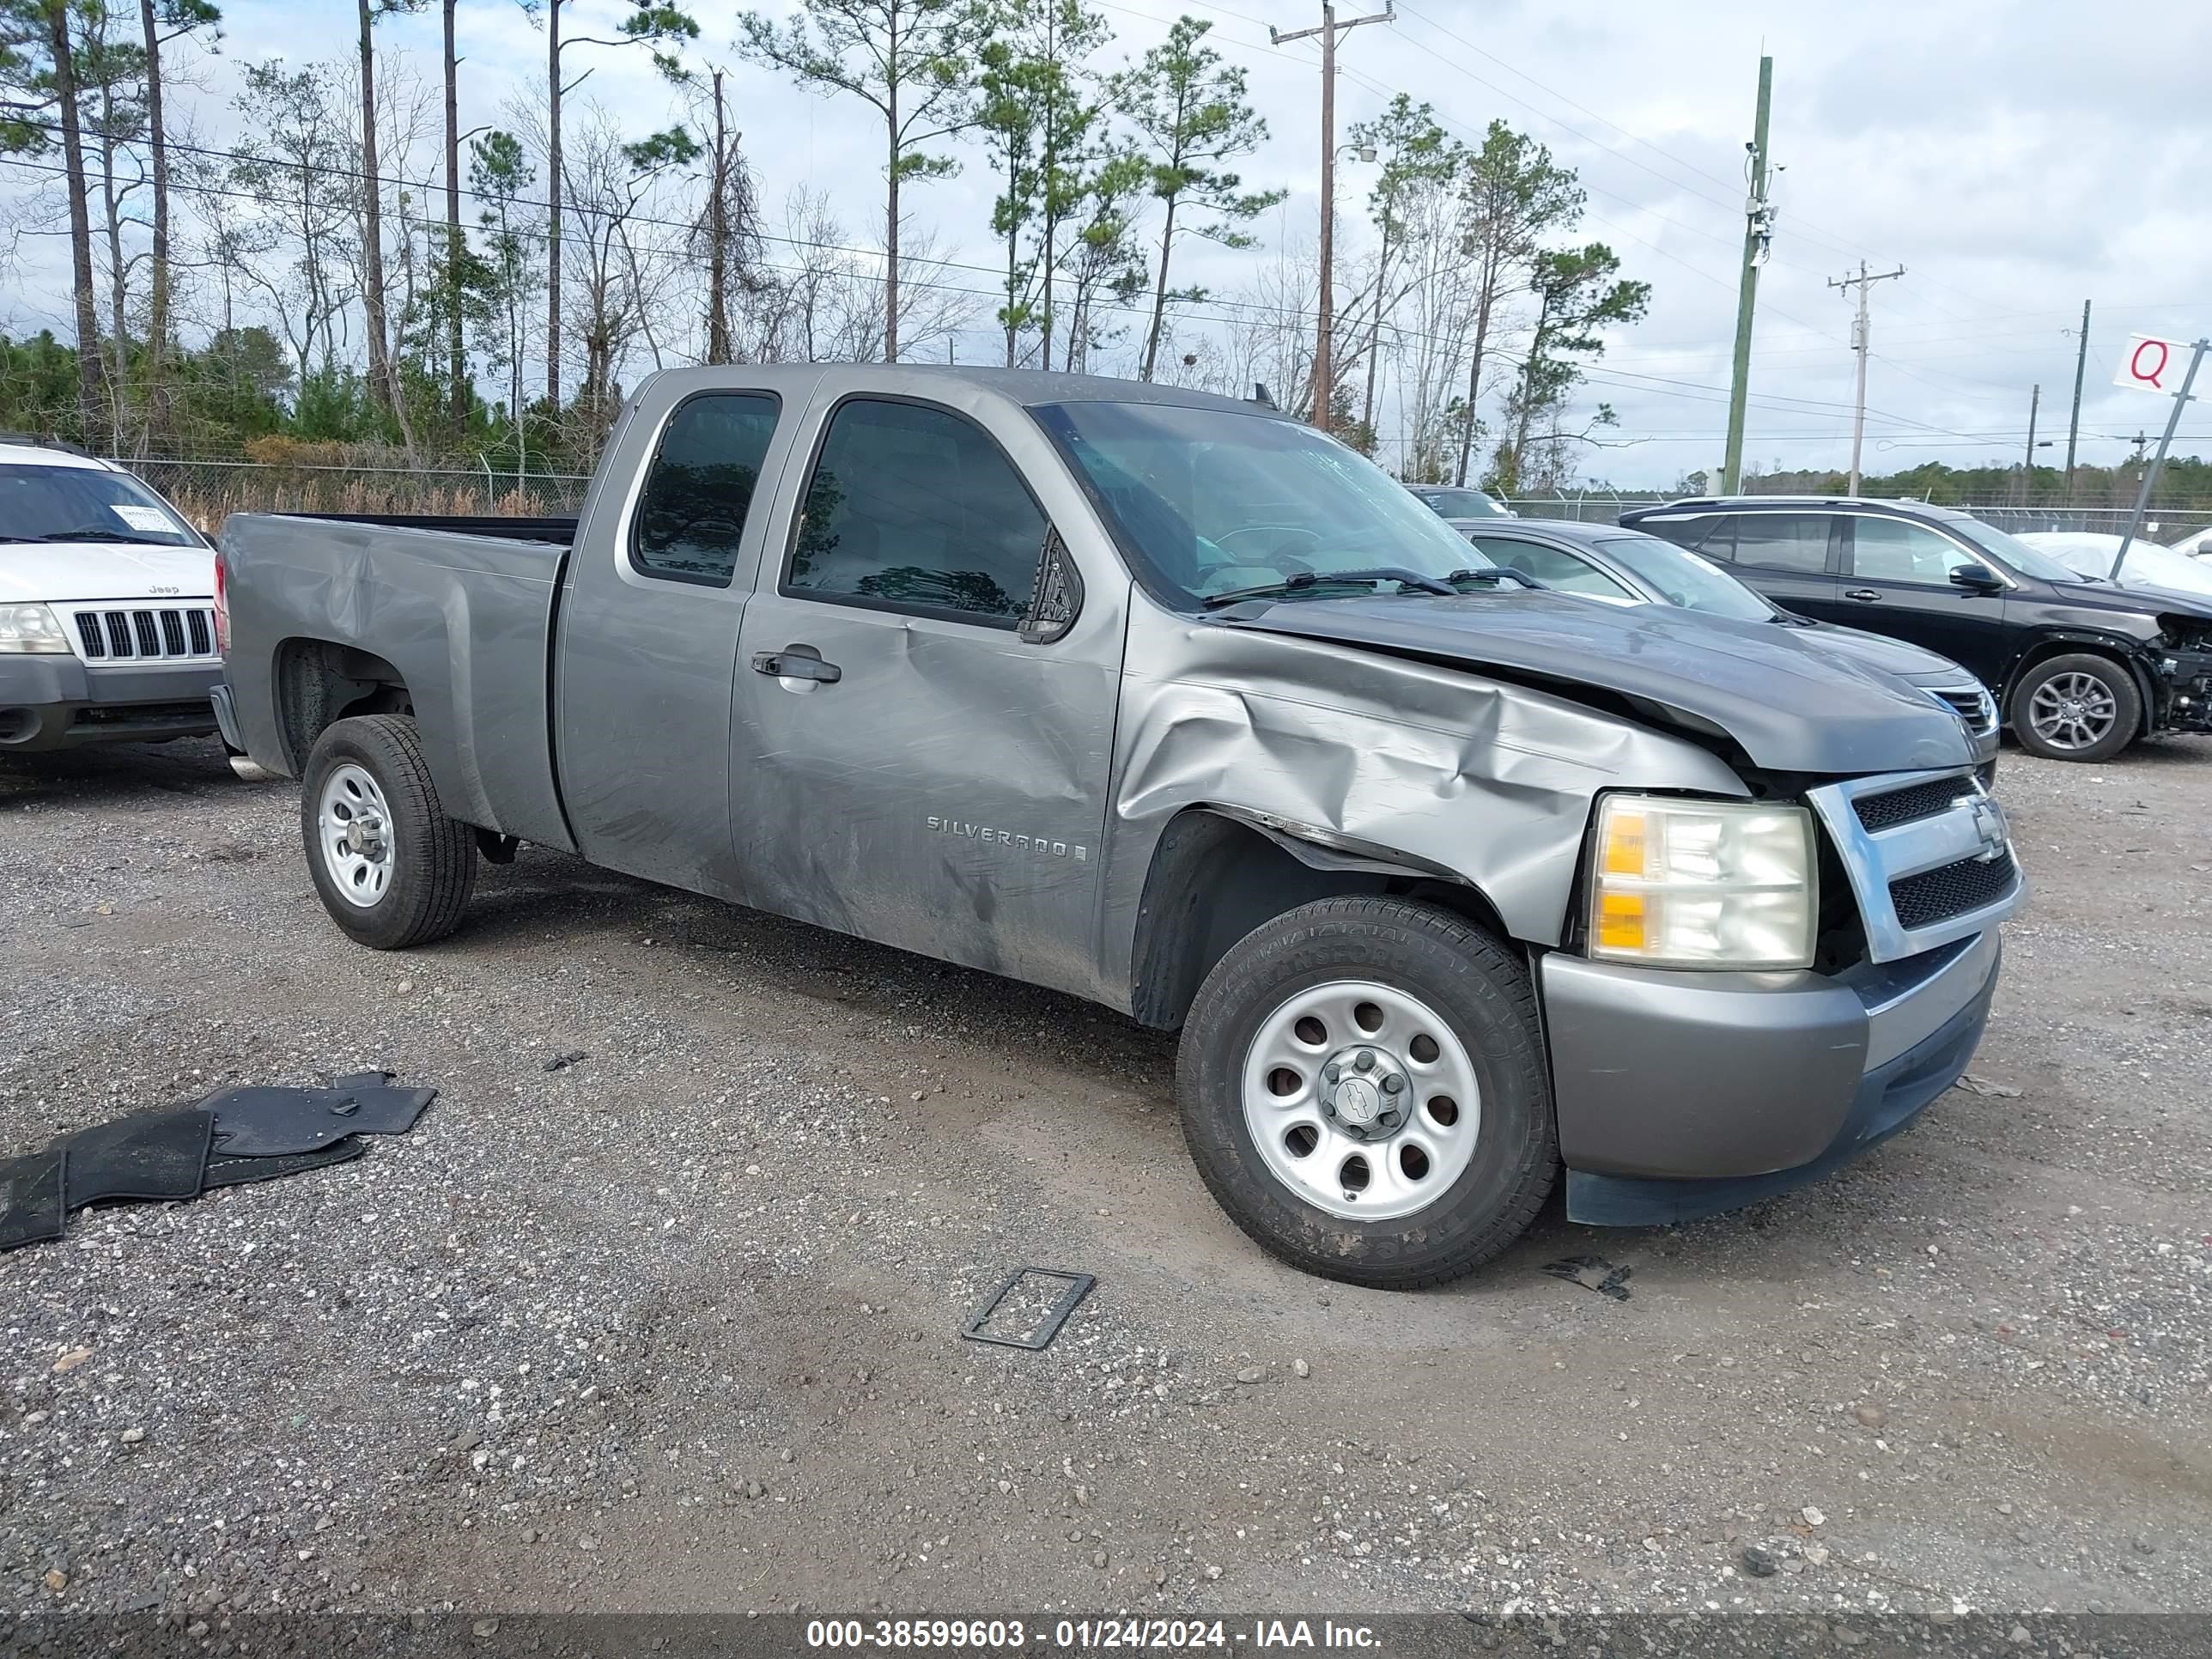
(1681, 1095)
(49, 702)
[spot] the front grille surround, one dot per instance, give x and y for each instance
(1905, 862)
(141, 635)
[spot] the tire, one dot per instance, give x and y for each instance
(1301, 989)
(407, 884)
(2080, 707)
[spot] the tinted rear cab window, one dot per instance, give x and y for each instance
(699, 489)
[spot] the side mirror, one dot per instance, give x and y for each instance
(1058, 598)
(1974, 579)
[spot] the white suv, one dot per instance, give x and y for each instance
(106, 607)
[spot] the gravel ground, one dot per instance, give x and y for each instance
(674, 1327)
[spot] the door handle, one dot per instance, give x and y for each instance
(1865, 595)
(796, 662)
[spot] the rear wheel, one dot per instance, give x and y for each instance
(392, 870)
(2076, 708)
(1364, 1090)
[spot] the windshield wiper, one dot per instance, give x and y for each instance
(91, 534)
(1370, 576)
(1491, 574)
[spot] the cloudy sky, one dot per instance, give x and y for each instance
(2016, 156)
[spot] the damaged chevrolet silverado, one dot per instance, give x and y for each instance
(1170, 702)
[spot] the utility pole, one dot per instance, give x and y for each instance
(2073, 423)
(1324, 379)
(1757, 241)
(1863, 281)
(2027, 474)
(2158, 461)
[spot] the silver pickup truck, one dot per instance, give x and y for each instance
(1170, 702)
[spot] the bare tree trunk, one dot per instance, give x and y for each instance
(157, 309)
(88, 317)
(118, 371)
(457, 357)
(891, 223)
(553, 205)
(718, 233)
(371, 250)
(1159, 295)
(1375, 332)
(1474, 377)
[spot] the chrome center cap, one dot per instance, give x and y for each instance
(1358, 1101)
(1365, 1093)
(364, 836)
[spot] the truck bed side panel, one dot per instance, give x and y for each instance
(464, 619)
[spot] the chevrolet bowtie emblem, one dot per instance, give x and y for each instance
(1989, 826)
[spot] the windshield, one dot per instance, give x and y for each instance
(1459, 504)
(1209, 501)
(1686, 579)
(85, 504)
(2013, 551)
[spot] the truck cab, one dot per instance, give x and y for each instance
(1172, 702)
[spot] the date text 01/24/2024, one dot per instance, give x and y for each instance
(1081, 1634)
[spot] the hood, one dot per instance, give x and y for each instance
(1790, 703)
(63, 572)
(1892, 656)
(2139, 597)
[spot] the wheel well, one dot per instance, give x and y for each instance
(1214, 879)
(320, 684)
(2044, 650)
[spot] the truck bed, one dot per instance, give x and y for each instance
(461, 607)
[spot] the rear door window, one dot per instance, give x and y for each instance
(916, 508)
(1691, 533)
(1781, 541)
(699, 489)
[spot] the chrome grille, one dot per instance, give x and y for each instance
(170, 634)
(1972, 705)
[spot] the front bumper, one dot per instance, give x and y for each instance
(49, 702)
(1681, 1095)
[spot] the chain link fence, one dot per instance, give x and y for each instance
(2163, 526)
(207, 492)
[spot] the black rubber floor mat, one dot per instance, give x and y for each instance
(225, 1171)
(270, 1122)
(31, 1193)
(155, 1155)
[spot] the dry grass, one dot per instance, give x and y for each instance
(207, 503)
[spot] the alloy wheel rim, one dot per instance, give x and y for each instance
(1361, 1100)
(2073, 711)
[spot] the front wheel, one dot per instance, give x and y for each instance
(392, 870)
(1363, 1089)
(2076, 708)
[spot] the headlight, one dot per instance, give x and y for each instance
(25, 628)
(1690, 883)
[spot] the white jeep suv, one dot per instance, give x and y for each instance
(106, 607)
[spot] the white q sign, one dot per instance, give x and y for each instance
(2151, 364)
